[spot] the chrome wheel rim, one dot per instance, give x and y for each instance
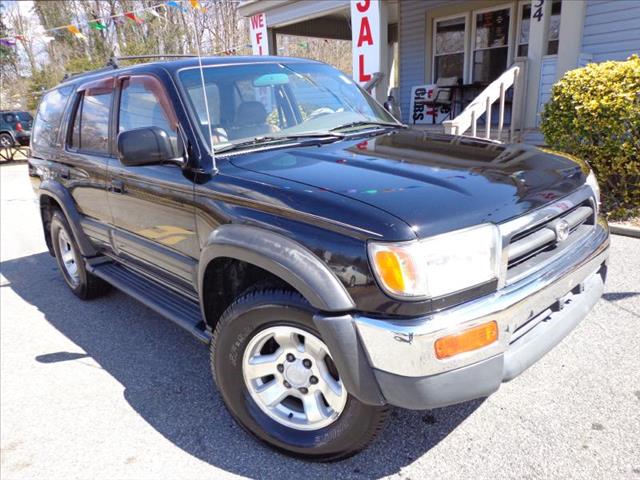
(291, 377)
(68, 257)
(5, 141)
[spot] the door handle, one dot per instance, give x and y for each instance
(117, 186)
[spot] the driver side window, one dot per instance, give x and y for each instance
(143, 103)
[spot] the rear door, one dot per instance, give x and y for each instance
(152, 205)
(82, 164)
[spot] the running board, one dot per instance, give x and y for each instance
(166, 302)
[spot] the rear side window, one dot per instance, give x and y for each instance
(90, 131)
(46, 128)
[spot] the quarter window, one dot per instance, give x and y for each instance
(47, 122)
(91, 122)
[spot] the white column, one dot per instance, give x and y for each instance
(369, 43)
(538, 35)
(570, 40)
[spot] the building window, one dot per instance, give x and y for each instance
(523, 34)
(525, 25)
(491, 44)
(449, 48)
(554, 28)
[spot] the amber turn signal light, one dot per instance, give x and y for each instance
(467, 340)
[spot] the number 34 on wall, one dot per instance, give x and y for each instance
(537, 13)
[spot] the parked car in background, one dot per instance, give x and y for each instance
(15, 128)
(336, 261)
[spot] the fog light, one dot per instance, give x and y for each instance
(467, 340)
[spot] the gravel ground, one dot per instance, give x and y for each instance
(107, 389)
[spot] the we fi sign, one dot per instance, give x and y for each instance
(258, 32)
(367, 41)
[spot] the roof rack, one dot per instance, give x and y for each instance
(113, 64)
(69, 76)
(113, 61)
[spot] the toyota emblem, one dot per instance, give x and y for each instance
(562, 230)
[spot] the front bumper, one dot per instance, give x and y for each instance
(533, 316)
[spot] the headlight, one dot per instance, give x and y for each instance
(592, 181)
(439, 265)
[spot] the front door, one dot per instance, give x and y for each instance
(152, 206)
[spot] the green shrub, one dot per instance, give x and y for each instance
(594, 114)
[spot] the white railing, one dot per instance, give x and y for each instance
(514, 76)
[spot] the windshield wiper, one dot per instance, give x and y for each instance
(364, 123)
(276, 139)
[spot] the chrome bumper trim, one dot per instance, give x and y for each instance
(406, 347)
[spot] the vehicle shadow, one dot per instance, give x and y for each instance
(165, 373)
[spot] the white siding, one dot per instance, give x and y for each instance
(412, 46)
(547, 79)
(611, 29)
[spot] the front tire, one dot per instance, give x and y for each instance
(70, 261)
(279, 382)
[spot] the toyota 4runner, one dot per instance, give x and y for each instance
(335, 261)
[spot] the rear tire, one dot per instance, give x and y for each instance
(70, 261)
(331, 426)
(6, 140)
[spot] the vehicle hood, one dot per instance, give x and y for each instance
(434, 183)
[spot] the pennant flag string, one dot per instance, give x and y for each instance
(97, 25)
(101, 22)
(132, 16)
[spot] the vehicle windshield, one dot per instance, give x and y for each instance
(277, 100)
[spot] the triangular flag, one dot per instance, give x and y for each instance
(20, 37)
(8, 42)
(176, 5)
(154, 13)
(195, 4)
(76, 32)
(97, 25)
(133, 17)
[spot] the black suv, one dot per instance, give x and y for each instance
(335, 261)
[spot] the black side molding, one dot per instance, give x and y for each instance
(281, 256)
(340, 335)
(61, 195)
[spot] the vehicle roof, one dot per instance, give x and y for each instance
(173, 65)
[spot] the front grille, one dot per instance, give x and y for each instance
(534, 245)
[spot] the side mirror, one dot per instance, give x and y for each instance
(387, 106)
(145, 146)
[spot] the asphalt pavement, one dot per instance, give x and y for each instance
(107, 389)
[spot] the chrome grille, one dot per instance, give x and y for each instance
(533, 241)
